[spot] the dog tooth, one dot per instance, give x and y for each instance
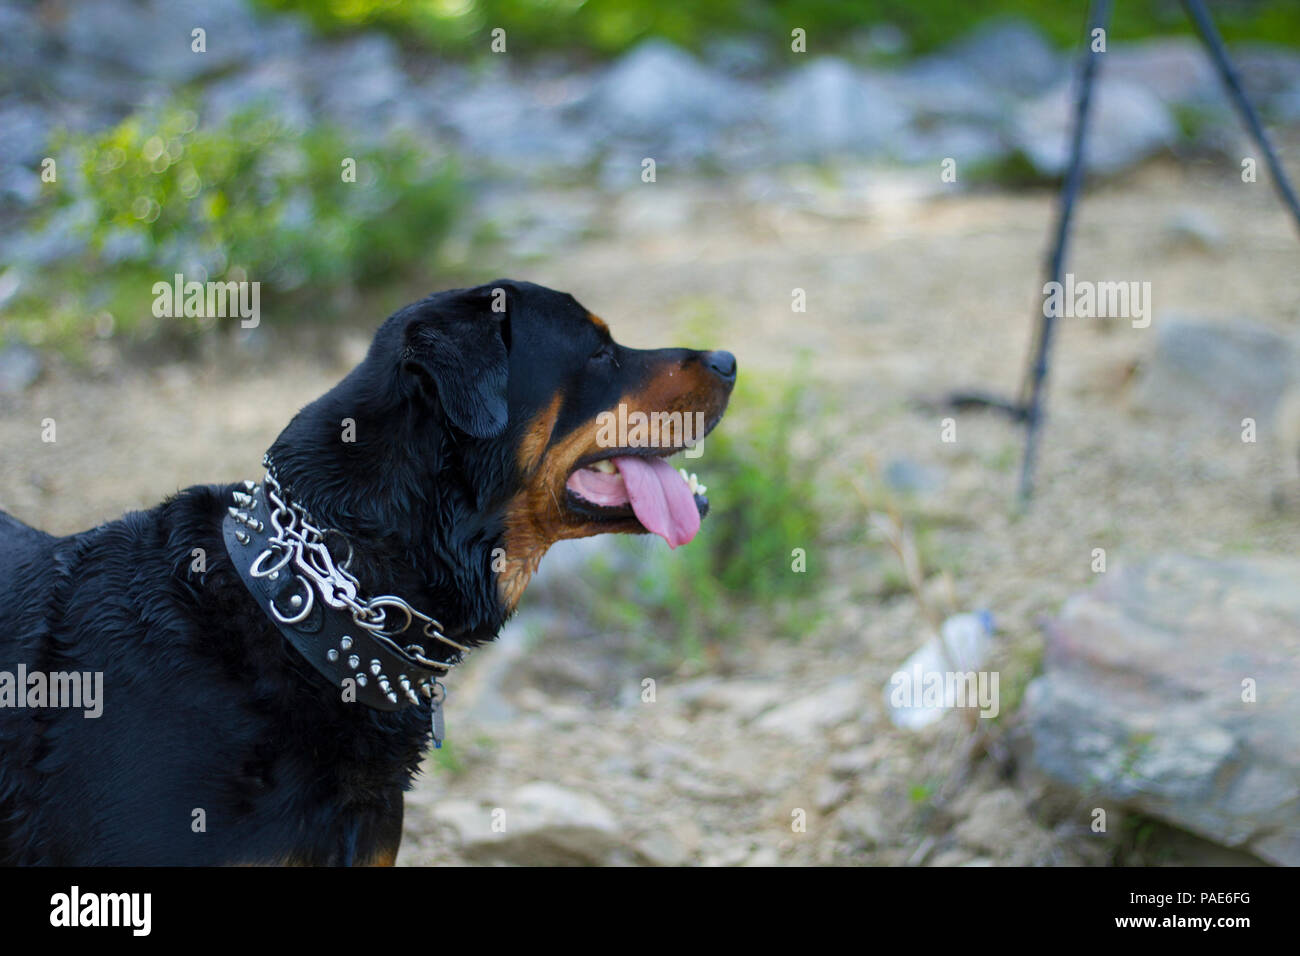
(604, 465)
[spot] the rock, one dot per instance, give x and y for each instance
(1173, 688)
(805, 719)
(544, 825)
(1270, 73)
(659, 90)
(23, 44)
(829, 108)
(994, 818)
(1011, 55)
(360, 80)
(853, 763)
(830, 794)
(1194, 228)
(1223, 371)
(274, 85)
(747, 699)
(1175, 69)
(940, 87)
(763, 856)
(113, 32)
(861, 825)
(19, 369)
(672, 845)
(500, 118)
(910, 477)
(1128, 124)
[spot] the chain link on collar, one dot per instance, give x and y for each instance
(299, 544)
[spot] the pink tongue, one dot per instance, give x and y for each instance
(660, 498)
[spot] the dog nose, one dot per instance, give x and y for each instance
(723, 364)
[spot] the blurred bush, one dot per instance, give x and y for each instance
(160, 194)
(606, 27)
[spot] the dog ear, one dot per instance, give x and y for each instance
(456, 343)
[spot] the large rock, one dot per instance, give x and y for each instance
(829, 108)
(544, 825)
(115, 32)
(658, 89)
(1173, 687)
(1127, 124)
(1221, 371)
(1011, 55)
(807, 719)
(1176, 69)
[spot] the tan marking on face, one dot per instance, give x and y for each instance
(385, 857)
(537, 436)
(537, 517)
(598, 322)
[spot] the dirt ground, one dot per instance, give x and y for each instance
(908, 296)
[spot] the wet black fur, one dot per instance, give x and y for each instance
(206, 707)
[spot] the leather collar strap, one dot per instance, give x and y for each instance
(329, 638)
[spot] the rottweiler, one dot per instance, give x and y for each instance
(273, 655)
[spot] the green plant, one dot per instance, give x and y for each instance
(251, 198)
(608, 27)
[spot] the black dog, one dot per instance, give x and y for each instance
(269, 685)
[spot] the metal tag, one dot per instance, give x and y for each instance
(439, 729)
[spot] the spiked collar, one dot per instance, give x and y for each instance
(374, 649)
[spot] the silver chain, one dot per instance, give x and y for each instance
(298, 543)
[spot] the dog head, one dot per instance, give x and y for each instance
(485, 424)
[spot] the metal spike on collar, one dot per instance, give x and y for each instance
(298, 545)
